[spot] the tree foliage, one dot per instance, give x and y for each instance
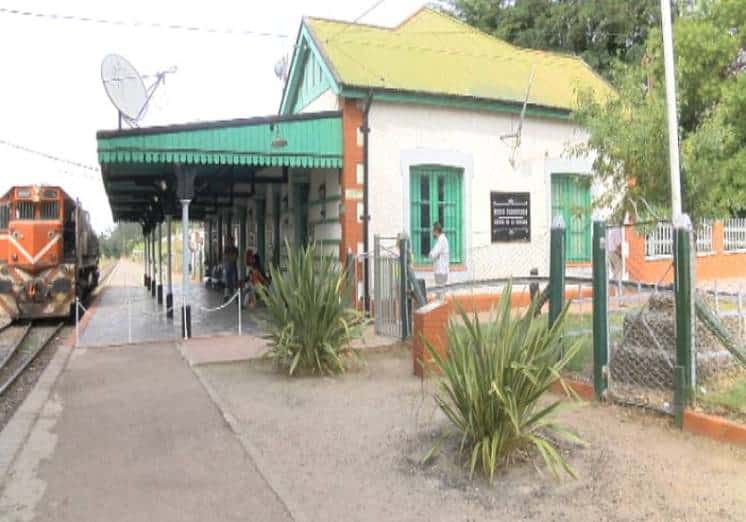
(628, 133)
(599, 31)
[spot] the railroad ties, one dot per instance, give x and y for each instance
(20, 344)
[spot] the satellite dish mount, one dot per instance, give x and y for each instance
(126, 88)
(516, 136)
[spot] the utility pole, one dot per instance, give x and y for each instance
(673, 123)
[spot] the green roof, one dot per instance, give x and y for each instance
(432, 53)
(313, 140)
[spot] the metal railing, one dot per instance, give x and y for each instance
(659, 242)
(704, 237)
(735, 234)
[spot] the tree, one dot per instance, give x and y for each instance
(599, 31)
(628, 133)
(121, 240)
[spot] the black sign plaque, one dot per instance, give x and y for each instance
(510, 214)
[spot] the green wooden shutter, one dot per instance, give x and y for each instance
(436, 194)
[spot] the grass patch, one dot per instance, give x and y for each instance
(729, 394)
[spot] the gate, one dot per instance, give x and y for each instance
(389, 287)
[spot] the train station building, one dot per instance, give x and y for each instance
(381, 131)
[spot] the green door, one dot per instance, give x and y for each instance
(436, 196)
(571, 198)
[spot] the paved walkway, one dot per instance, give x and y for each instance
(129, 434)
(127, 312)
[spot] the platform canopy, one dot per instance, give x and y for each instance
(142, 168)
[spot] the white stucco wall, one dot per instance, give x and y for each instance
(326, 101)
(406, 135)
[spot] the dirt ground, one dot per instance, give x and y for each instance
(349, 449)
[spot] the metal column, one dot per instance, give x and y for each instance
(153, 272)
(242, 246)
(186, 312)
(159, 289)
(146, 278)
(219, 253)
(208, 246)
(169, 270)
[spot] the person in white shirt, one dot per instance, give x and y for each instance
(440, 255)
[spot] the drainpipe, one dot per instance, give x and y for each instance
(365, 129)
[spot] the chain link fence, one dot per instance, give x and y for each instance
(642, 316)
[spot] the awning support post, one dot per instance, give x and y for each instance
(185, 192)
(159, 289)
(154, 273)
(169, 271)
(146, 278)
(242, 246)
(186, 317)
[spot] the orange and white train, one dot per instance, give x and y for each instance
(48, 253)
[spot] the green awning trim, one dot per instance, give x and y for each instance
(313, 141)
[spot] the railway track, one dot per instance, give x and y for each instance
(20, 344)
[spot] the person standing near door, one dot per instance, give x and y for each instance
(440, 254)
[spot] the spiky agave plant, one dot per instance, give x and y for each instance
(492, 381)
(309, 326)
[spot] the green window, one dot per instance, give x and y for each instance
(571, 198)
(436, 194)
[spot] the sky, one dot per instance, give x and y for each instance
(52, 99)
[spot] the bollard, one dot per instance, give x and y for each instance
(240, 305)
(186, 321)
(77, 321)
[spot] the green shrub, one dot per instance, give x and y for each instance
(309, 326)
(492, 382)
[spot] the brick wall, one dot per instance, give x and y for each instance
(431, 321)
(717, 264)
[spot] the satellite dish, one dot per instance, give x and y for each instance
(281, 68)
(124, 86)
(126, 89)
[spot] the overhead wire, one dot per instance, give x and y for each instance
(357, 19)
(47, 155)
(136, 24)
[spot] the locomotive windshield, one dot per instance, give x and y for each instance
(50, 210)
(24, 210)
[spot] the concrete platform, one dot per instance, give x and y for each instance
(129, 434)
(126, 313)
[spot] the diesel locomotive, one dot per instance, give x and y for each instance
(48, 253)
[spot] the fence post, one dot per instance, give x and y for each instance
(600, 310)
(684, 307)
(404, 286)
(556, 269)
